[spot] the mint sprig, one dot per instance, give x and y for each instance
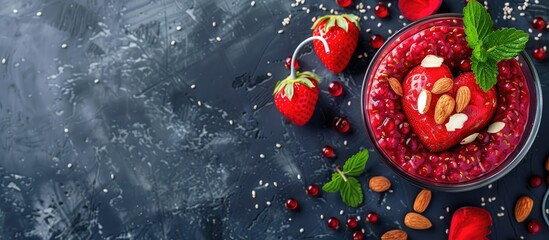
(344, 181)
(489, 47)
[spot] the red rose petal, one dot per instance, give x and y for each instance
(470, 223)
(416, 9)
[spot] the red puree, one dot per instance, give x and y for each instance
(462, 162)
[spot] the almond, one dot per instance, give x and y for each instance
(469, 139)
(396, 234)
(422, 201)
(463, 96)
(456, 122)
(395, 85)
(423, 101)
(442, 85)
(379, 184)
(417, 221)
(443, 109)
(432, 61)
(523, 207)
(495, 127)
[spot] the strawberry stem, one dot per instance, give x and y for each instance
(294, 56)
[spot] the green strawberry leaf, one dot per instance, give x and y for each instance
(477, 21)
(342, 23)
(335, 184)
(289, 91)
(355, 165)
(486, 73)
(351, 192)
(307, 82)
(331, 22)
(352, 18)
(505, 43)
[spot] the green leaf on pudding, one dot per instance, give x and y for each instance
(486, 73)
(351, 192)
(355, 165)
(477, 21)
(505, 43)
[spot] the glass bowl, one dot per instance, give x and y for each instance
(383, 65)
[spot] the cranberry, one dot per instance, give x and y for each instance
(372, 217)
(381, 10)
(333, 223)
(376, 41)
(328, 151)
(535, 181)
(534, 227)
(312, 190)
(291, 204)
(465, 65)
(539, 54)
(352, 223)
(288, 63)
(538, 23)
(335, 88)
(358, 235)
(344, 3)
(341, 124)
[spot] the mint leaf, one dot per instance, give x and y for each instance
(477, 21)
(479, 52)
(335, 184)
(485, 73)
(351, 192)
(505, 43)
(354, 166)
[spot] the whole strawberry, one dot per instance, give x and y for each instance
(296, 97)
(341, 32)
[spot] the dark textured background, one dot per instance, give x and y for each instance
(166, 143)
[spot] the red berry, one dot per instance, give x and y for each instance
(465, 65)
(539, 54)
(534, 227)
(344, 3)
(328, 151)
(291, 204)
(372, 217)
(538, 23)
(341, 124)
(376, 41)
(333, 223)
(535, 181)
(335, 88)
(381, 10)
(358, 235)
(312, 190)
(352, 223)
(288, 63)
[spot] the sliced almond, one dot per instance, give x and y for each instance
(463, 96)
(422, 201)
(469, 138)
(456, 122)
(432, 61)
(442, 85)
(496, 127)
(423, 101)
(523, 207)
(443, 109)
(396, 234)
(417, 221)
(395, 85)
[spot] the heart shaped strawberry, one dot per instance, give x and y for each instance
(442, 111)
(470, 223)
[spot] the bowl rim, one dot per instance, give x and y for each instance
(454, 187)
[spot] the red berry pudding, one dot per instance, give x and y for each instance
(430, 120)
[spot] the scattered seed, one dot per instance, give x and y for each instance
(261, 155)
(178, 28)
(388, 207)
(218, 39)
(275, 184)
(214, 24)
(278, 145)
(38, 14)
(260, 182)
(4, 60)
(400, 17)
(105, 190)
(345, 143)
(231, 122)
(446, 230)
(96, 81)
(299, 176)
(500, 214)
(490, 186)
(266, 184)
(368, 30)
(253, 193)
(349, 103)
(252, 3)
(173, 42)
(15, 11)
(269, 74)
(66, 130)
(193, 86)
(69, 165)
(321, 216)
(289, 219)
(280, 31)
(379, 24)
(447, 209)
(341, 212)
(199, 103)
(64, 45)
(301, 230)
(256, 206)
(268, 203)
(441, 217)
(255, 107)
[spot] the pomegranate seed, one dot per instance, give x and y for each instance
(376, 41)
(538, 23)
(328, 151)
(344, 3)
(291, 204)
(372, 217)
(335, 88)
(465, 65)
(358, 235)
(352, 223)
(534, 227)
(535, 181)
(333, 223)
(312, 190)
(539, 54)
(341, 124)
(288, 63)
(381, 10)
